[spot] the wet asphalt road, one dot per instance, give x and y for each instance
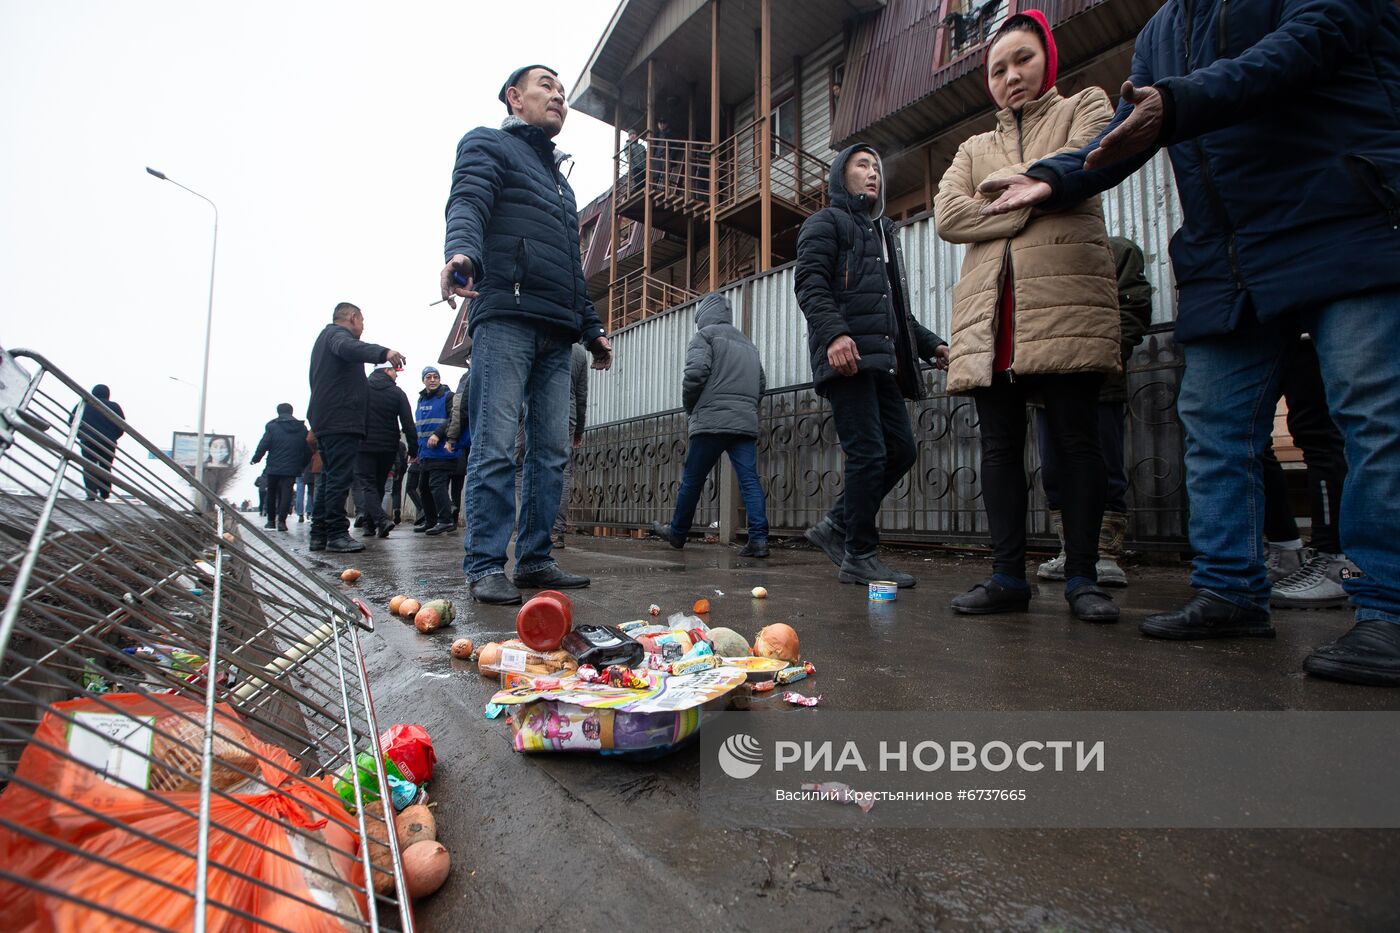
(586, 843)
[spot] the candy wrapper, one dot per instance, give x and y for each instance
(762, 686)
(619, 676)
(795, 673)
(842, 793)
(797, 699)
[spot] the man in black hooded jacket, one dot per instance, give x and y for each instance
(97, 438)
(284, 444)
(866, 347)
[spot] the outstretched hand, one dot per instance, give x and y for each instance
(1015, 192)
(601, 348)
(1138, 133)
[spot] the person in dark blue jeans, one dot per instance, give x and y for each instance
(722, 387)
(1281, 123)
(512, 248)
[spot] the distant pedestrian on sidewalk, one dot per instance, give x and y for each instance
(284, 444)
(512, 235)
(865, 346)
(459, 436)
(722, 388)
(97, 440)
(388, 423)
(339, 395)
(436, 459)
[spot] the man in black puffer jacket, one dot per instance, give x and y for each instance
(866, 347)
(284, 444)
(513, 250)
(723, 385)
(388, 416)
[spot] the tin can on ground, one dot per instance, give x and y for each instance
(884, 591)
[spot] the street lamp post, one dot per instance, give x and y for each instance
(208, 329)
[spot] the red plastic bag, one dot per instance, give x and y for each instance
(410, 748)
(152, 840)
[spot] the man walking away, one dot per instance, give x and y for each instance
(284, 444)
(436, 460)
(337, 413)
(388, 417)
(578, 419)
(512, 237)
(723, 385)
(865, 347)
(97, 440)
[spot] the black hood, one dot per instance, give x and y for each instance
(836, 184)
(714, 309)
(380, 379)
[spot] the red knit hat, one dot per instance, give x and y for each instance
(1047, 39)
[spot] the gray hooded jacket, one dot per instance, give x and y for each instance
(723, 375)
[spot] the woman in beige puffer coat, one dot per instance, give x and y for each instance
(1035, 312)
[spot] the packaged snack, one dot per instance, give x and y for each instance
(409, 747)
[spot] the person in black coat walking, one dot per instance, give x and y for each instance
(97, 439)
(865, 346)
(339, 395)
(284, 444)
(388, 417)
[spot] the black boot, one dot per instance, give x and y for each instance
(664, 532)
(369, 529)
(552, 577)
(1091, 604)
(872, 570)
(757, 549)
(316, 544)
(830, 539)
(281, 524)
(385, 528)
(990, 597)
(495, 589)
(1207, 615)
(1369, 654)
(343, 544)
(270, 524)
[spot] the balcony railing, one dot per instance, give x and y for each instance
(674, 171)
(796, 175)
(637, 296)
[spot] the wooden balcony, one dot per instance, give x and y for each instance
(639, 296)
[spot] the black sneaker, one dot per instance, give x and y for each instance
(664, 532)
(990, 597)
(830, 539)
(552, 577)
(385, 528)
(420, 527)
(495, 589)
(1207, 615)
(369, 531)
(343, 544)
(270, 524)
(316, 544)
(1369, 654)
(281, 524)
(438, 529)
(757, 549)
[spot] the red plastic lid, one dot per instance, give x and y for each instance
(542, 623)
(562, 600)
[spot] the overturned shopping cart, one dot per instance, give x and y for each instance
(181, 700)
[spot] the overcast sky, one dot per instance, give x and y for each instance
(325, 132)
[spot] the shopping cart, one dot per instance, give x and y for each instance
(178, 696)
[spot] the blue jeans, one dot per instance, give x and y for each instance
(700, 459)
(1228, 393)
(516, 367)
